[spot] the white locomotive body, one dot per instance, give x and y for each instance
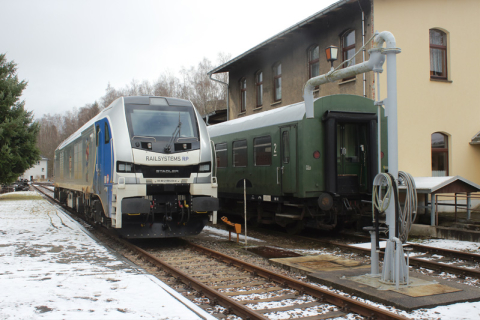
(144, 166)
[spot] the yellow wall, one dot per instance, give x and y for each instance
(426, 106)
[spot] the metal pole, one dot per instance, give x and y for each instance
(245, 206)
(469, 202)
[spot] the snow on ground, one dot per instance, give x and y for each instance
(52, 269)
(473, 247)
(222, 234)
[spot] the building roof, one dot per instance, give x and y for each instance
(450, 184)
(334, 7)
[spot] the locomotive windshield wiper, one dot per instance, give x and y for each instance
(176, 133)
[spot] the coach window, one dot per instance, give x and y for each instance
(107, 136)
(286, 147)
(313, 62)
(243, 95)
(262, 151)
(221, 155)
(259, 88)
(240, 153)
(439, 155)
(438, 54)
(277, 81)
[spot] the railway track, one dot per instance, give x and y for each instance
(439, 259)
(219, 282)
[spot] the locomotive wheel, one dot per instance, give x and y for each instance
(295, 227)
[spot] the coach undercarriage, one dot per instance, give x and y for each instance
(294, 216)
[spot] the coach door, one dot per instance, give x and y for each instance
(351, 158)
(288, 147)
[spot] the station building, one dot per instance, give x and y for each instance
(38, 172)
(438, 108)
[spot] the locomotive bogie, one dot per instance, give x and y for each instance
(298, 171)
(140, 167)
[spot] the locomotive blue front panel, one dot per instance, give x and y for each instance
(103, 176)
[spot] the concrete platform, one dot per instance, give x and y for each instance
(352, 277)
(454, 232)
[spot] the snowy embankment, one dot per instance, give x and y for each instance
(51, 268)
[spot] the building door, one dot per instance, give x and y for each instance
(351, 158)
(288, 148)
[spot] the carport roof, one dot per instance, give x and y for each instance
(452, 184)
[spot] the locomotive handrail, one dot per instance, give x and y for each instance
(145, 137)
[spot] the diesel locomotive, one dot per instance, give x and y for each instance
(301, 172)
(143, 166)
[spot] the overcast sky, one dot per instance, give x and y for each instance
(69, 50)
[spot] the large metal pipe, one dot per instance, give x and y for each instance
(375, 63)
(390, 112)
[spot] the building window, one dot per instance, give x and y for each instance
(313, 62)
(348, 47)
(221, 149)
(243, 95)
(259, 88)
(240, 153)
(438, 54)
(277, 82)
(262, 151)
(43, 169)
(439, 155)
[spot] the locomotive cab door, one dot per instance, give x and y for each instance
(352, 145)
(288, 147)
(104, 163)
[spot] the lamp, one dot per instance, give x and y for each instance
(332, 54)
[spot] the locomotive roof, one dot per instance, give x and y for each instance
(126, 100)
(293, 112)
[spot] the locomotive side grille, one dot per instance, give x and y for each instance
(166, 171)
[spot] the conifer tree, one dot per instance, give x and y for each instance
(18, 131)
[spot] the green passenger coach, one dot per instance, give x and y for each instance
(300, 172)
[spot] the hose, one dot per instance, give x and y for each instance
(381, 204)
(408, 214)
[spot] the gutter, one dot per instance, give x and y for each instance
(228, 95)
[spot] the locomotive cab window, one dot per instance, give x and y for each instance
(262, 151)
(240, 153)
(97, 136)
(107, 134)
(161, 123)
(221, 155)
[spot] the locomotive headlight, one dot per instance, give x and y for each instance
(124, 166)
(204, 167)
